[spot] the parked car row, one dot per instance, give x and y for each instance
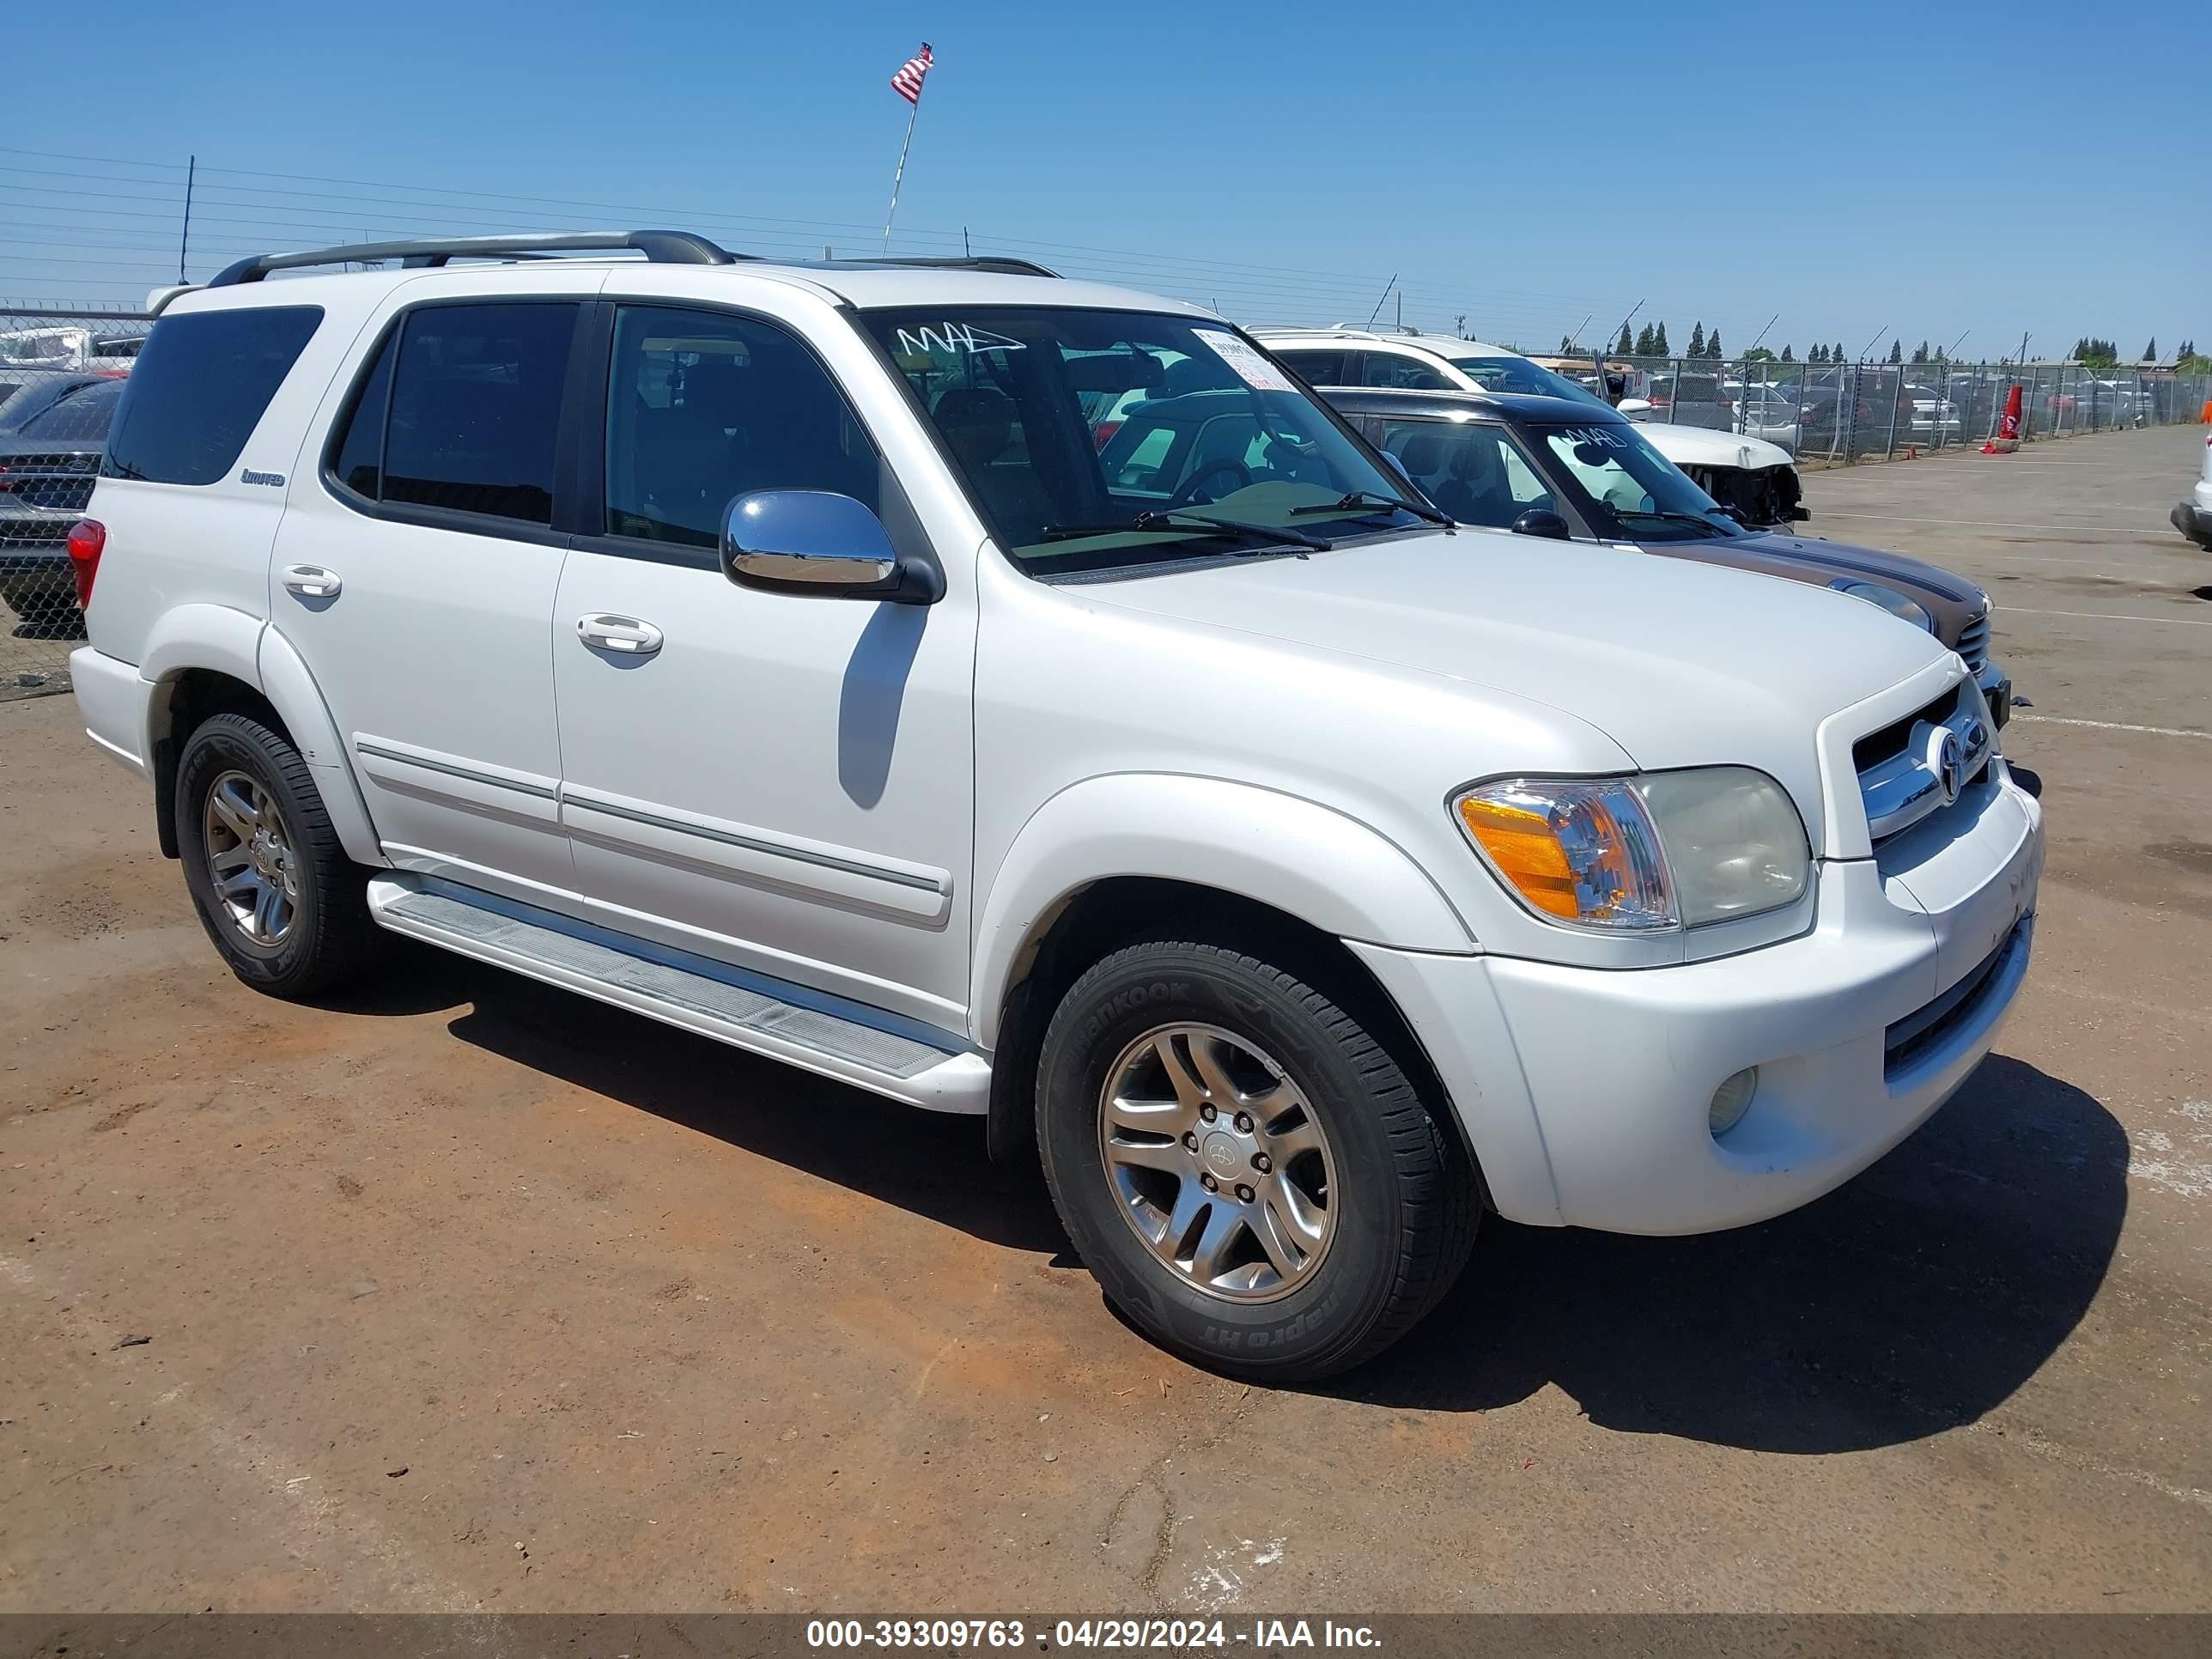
(1302, 826)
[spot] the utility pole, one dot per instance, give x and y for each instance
(185, 241)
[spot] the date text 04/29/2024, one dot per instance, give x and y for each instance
(1172, 1635)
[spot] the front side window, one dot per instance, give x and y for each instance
(1627, 488)
(1404, 373)
(1314, 368)
(703, 407)
(1518, 375)
(1471, 469)
(200, 387)
(1077, 432)
(475, 412)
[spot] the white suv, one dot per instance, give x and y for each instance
(1737, 468)
(780, 652)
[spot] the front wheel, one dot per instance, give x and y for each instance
(285, 907)
(1250, 1173)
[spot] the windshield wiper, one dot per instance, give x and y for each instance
(1697, 519)
(1177, 519)
(1361, 497)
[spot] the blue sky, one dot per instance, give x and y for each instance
(1925, 170)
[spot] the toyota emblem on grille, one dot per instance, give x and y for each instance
(1947, 759)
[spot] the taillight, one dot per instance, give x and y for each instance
(87, 538)
(1104, 435)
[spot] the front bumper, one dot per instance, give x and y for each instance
(1585, 1092)
(2195, 521)
(1996, 691)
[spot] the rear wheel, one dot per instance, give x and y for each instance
(1250, 1172)
(272, 885)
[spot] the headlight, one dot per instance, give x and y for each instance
(1664, 849)
(1888, 599)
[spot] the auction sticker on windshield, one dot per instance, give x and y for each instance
(1251, 368)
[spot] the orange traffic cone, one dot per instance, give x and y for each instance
(2008, 437)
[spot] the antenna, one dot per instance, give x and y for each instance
(1870, 346)
(1387, 286)
(1763, 333)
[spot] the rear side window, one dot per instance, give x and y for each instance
(200, 386)
(476, 409)
(1315, 368)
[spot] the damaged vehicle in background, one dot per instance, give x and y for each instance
(1757, 478)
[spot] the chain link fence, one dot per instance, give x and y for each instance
(1841, 413)
(63, 370)
(61, 375)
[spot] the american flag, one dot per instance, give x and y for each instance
(908, 82)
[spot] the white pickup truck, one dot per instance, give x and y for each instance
(769, 649)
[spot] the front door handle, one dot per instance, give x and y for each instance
(626, 635)
(312, 581)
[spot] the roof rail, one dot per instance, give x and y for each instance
(671, 247)
(1000, 263)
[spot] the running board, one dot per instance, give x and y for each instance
(821, 1033)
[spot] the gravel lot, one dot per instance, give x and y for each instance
(468, 1294)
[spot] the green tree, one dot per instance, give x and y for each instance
(1786, 358)
(1659, 342)
(1836, 355)
(1897, 351)
(1920, 352)
(1644, 346)
(1697, 339)
(2150, 351)
(1713, 344)
(1761, 355)
(1819, 354)
(1627, 346)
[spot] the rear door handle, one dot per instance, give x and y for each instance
(312, 581)
(626, 635)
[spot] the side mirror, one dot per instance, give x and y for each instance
(1632, 407)
(815, 541)
(1542, 522)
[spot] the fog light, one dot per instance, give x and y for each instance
(1732, 1100)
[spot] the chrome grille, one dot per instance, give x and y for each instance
(1919, 765)
(1974, 643)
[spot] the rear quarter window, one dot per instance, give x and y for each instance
(200, 386)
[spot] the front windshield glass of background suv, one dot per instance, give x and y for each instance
(1519, 374)
(1629, 490)
(1068, 426)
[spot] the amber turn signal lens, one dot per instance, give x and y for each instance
(1521, 844)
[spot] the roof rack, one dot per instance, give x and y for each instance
(1000, 263)
(670, 247)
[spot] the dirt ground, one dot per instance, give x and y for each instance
(468, 1294)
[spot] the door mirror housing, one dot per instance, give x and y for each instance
(1542, 522)
(817, 542)
(1632, 407)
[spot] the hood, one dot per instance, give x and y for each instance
(1679, 663)
(1700, 446)
(1951, 599)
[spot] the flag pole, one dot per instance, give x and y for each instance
(899, 177)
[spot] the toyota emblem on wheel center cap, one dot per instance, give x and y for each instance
(1222, 1154)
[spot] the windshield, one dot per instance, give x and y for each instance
(1626, 488)
(1519, 374)
(1068, 426)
